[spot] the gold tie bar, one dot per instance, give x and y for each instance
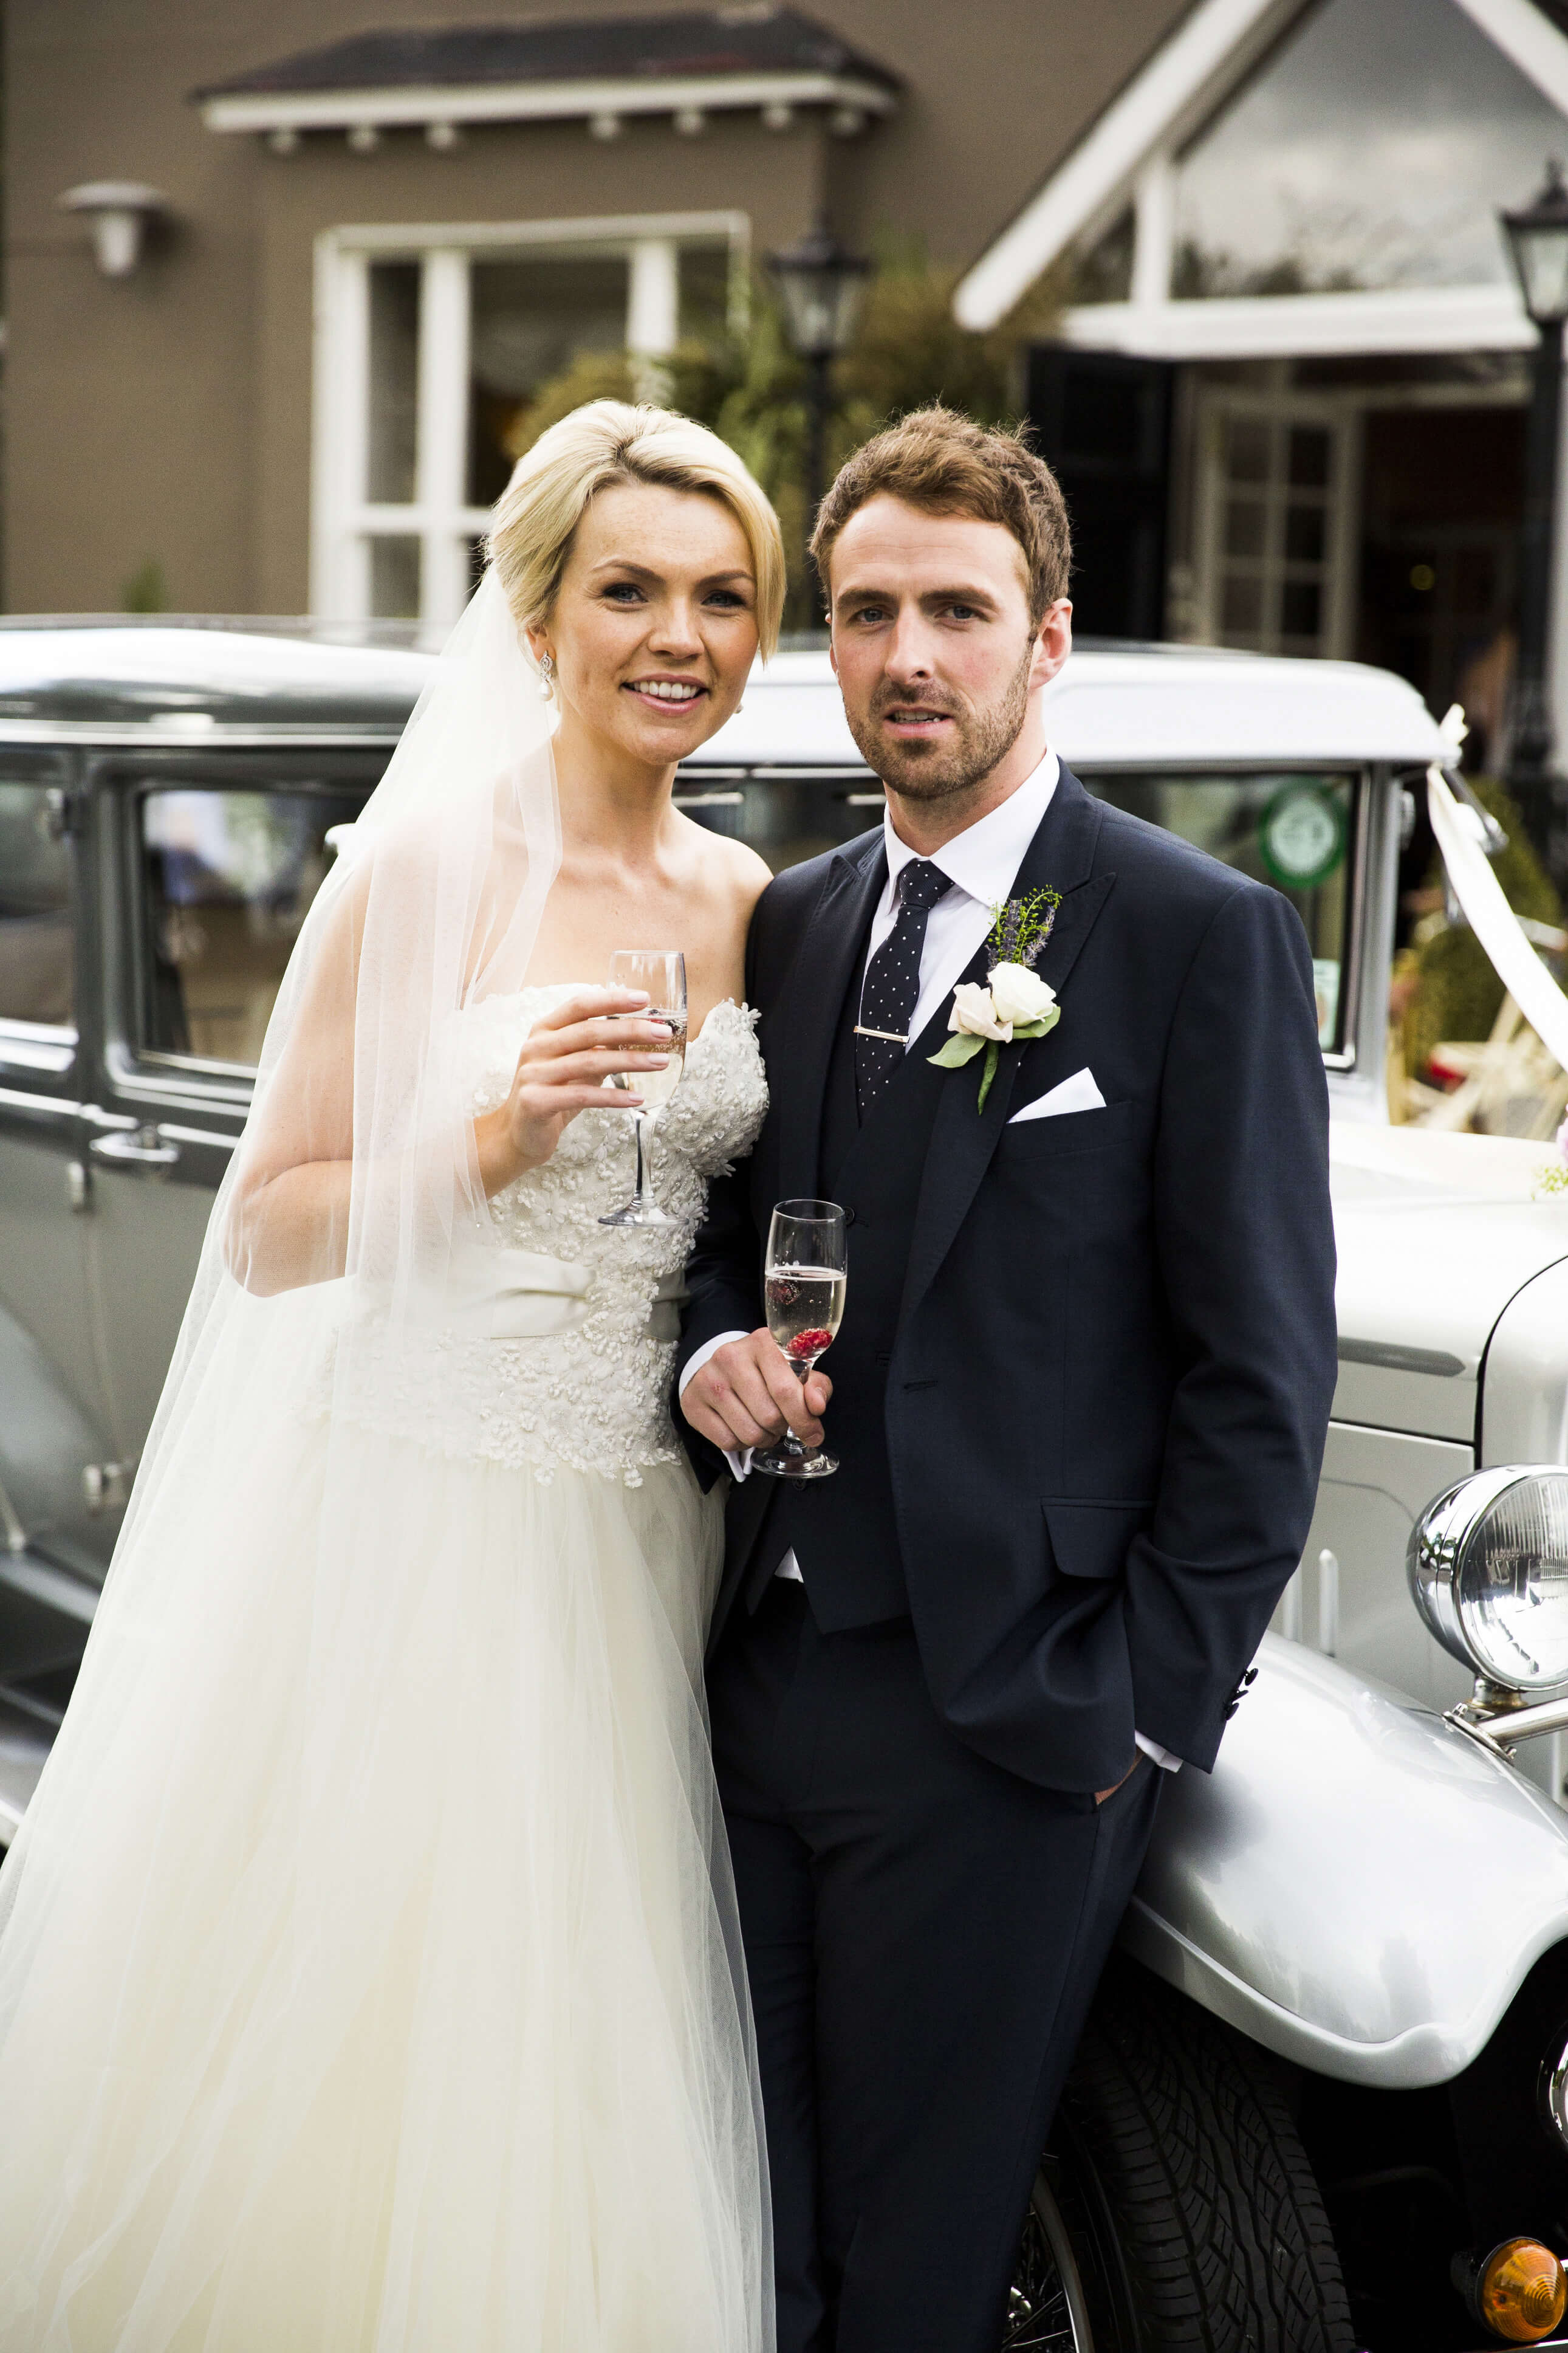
(888, 1036)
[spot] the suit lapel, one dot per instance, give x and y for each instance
(1061, 858)
(808, 1015)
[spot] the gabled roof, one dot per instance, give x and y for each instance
(528, 68)
(1184, 80)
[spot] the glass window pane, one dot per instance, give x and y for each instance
(1309, 460)
(1372, 148)
(1245, 450)
(1306, 534)
(395, 579)
(394, 381)
(227, 879)
(36, 959)
(1241, 603)
(1103, 271)
(1292, 831)
(530, 320)
(1301, 608)
(1244, 523)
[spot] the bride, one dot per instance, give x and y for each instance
(369, 1976)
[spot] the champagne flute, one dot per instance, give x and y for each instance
(803, 1290)
(661, 974)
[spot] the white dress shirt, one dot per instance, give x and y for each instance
(982, 865)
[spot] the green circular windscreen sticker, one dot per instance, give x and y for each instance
(1302, 834)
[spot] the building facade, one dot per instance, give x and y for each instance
(1287, 396)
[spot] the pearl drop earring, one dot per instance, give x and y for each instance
(546, 676)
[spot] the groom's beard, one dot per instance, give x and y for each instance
(976, 743)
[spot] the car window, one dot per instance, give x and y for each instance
(1295, 829)
(36, 952)
(229, 876)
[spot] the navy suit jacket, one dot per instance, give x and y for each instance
(1115, 1351)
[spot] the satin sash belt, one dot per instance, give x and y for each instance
(517, 1294)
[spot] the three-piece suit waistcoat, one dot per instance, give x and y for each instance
(844, 1530)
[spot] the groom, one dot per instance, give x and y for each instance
(1079, 1396)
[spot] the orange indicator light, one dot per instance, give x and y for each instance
(1521, 2291)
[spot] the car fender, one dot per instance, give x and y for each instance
(1358, 1886)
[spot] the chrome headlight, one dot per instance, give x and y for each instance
(1489, 1568)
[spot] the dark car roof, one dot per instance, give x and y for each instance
(186, 677)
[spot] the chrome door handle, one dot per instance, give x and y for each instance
(140, 1148)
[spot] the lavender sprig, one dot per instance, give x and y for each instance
(1021, 927)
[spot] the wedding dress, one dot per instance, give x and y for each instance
(371, 1984)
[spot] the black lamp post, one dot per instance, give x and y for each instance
(1538, 245)
(822, 285)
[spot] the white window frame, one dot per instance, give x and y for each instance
(343, 522)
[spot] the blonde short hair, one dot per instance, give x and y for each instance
(608, 441)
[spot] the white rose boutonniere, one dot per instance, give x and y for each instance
(975, 1014)
(1016, 1002)
(1020, 995)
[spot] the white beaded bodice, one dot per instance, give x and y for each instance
(592, 1396)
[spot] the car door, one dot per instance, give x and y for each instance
(208, 867)
(55, 1423)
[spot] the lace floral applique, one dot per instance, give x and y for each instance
(595, 1397)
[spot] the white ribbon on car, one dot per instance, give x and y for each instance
(1494, 923)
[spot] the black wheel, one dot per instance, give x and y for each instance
(1176, 2211)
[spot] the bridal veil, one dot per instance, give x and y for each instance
(368, 1974)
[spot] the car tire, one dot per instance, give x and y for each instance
(1176, 2210)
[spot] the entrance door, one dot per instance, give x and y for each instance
(1443, 492)
(1104, 427)
(1276, 516)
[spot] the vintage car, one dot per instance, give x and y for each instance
(1322, 2100)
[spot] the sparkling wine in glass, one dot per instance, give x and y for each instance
(803, 1292)
(661, 974)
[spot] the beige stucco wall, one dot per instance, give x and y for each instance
(169, 415)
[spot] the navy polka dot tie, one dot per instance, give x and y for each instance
(892, 985)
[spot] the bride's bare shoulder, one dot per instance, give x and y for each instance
(729, 869)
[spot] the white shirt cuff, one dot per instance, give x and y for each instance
(739, 1458)
(1161, 1756)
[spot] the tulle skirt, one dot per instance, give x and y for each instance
(368, 1976)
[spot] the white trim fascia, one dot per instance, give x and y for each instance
(538, 102)
(1528, 40)
(1405, 319)
(338, 566)
(1189, 72)
(617, 230)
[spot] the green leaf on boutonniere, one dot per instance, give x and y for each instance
(992, 1057)
(961, 1048)
(1046, 1022)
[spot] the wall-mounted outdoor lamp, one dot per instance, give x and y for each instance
(120, 212)
(1538, 247)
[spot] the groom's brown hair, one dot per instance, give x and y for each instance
(947, 465)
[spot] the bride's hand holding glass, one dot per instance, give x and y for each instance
(561, 1068)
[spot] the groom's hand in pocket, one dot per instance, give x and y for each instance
(747, 1392)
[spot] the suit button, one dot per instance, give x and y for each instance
(849, 1217)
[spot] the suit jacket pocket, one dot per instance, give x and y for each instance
(1068, 1130)
(1093, 1539)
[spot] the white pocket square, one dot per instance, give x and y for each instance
(1077, 1093)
